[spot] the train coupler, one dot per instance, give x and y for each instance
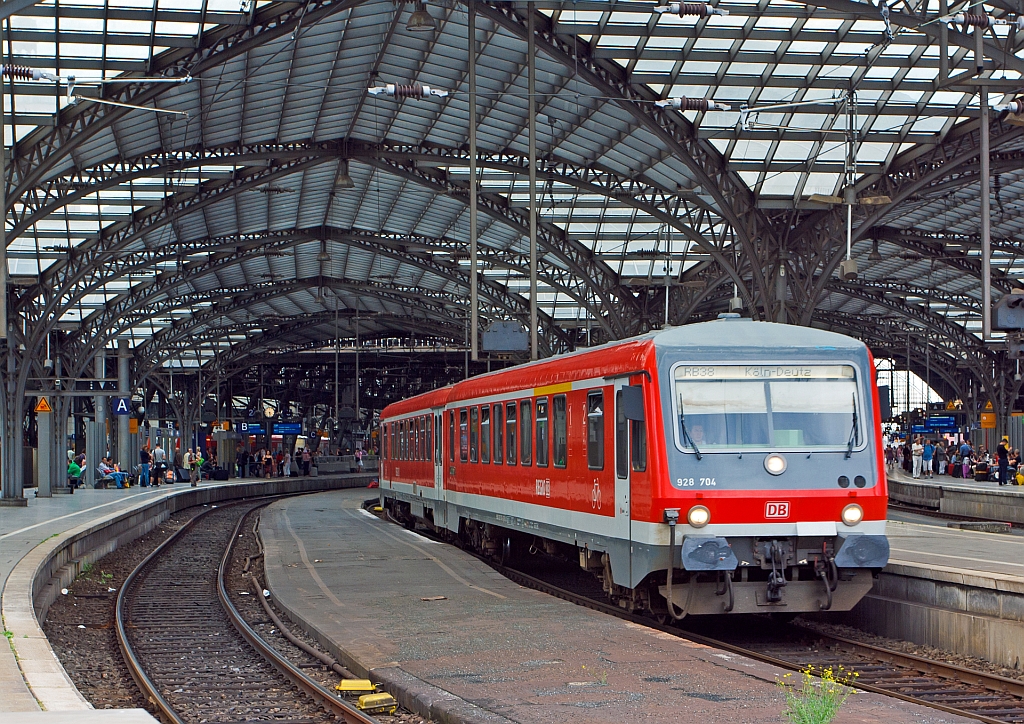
(777, 578)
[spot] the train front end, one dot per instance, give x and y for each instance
(775, 498)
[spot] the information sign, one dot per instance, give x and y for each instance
(288, 428)
(988, 421)
(251, 428)
(941, 422)
(121, 405)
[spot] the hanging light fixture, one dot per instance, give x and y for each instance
(421, 21)
(875, 255)
(323, 256)
(343, 182)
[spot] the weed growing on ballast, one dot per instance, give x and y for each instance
(819, 695)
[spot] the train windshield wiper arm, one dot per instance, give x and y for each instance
(687, 440)
(853, 432)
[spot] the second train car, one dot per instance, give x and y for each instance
(723, 467)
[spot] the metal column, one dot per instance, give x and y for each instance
(45, 452)
(985, 212)
(986, 221)
(123, 390)
(474, 314)
(531, 62)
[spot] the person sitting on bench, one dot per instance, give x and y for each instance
(108, 470)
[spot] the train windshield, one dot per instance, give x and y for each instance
(766, 406)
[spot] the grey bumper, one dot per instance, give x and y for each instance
(863, 551)
(708, 554)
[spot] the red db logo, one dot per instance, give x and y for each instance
(776, 510)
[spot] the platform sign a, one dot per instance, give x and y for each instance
(121, 405)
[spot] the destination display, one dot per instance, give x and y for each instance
(763, 372)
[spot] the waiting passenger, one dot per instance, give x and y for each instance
(917, 454)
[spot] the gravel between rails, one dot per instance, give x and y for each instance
(252, 611)
(80, 625)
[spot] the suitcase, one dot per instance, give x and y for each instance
(220, 474)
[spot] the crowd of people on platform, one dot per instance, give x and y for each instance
(154, 465)
(924, 457)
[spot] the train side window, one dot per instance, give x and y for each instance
(428, 446)
(463, 436)
(485, 434)
(416, 439)
(421, 438)
(510, 433)
(401, 440)
(542, 432)
(451, 435)
(595, 430)
(621, 438)
(525, 432)
(558, 431)
(474, 433)
(498, 434)
(384, 441)
(638, 439)
(438, 435)
(394, 450)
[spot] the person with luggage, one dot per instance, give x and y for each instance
(965, 458)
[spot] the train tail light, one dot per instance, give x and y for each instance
(852, 514)
(699, 516)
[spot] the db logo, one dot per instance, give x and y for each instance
(776, 510)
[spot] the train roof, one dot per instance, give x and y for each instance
(745, 332)
(629, 355)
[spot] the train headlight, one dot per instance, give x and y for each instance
(852, 514)
(699, 516)
(775, 464)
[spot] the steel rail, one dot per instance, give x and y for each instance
(339, 708)
(990, 681)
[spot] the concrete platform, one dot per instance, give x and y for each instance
(456, 641)
(96, 716)
(43, 547)
(957, 496)
(958, 590)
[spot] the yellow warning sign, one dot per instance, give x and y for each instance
(133, 426)
(950, 405)
(988, 405)
(43, 405)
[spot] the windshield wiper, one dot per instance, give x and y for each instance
(853, 432)
(686, 435)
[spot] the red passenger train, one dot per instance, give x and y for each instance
(723, 467)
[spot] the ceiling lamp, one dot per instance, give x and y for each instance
(692, 104)
(343, 182)
(412, 90)
(699, 9)
(323, 256)
(875, 255)
(421, 21)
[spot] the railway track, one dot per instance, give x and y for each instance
(194, 657)
(947, 687)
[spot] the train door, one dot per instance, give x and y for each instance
(630, 445)
(436, 449)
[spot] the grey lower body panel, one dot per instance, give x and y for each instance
(697, 597)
